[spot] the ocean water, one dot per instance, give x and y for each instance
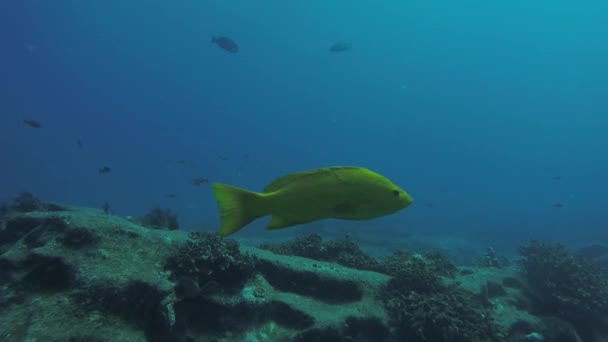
(472, 107)
(492, 115)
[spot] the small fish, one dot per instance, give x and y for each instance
(180, 162)
(558, 205)
(222, 157)
(32, 123)
(225, 43)
(340, 47)
(200, 180)
(556, 178)
(79, 143)
(104, 170)
(340, 192)
(171, 195)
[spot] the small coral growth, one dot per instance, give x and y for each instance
(207, 257)
(26, 202)
(159, 218)
(343, 251)
(423, 308)
(567, 284)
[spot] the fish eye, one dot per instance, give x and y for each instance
(396, 192)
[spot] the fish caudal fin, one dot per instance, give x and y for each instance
(213, 39)
(238, 207)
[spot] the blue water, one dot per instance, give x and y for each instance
(471, 106)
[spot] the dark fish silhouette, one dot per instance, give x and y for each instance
(106, 208)
(225, 43)
(340, 47)
(556, 178)
(558, 205)
(79, 143)
(171, 195)
(104, 170)
(32, 123)
(180, 162)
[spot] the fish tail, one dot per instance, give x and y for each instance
(213, 39)
(238, 207)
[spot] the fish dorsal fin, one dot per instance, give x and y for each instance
(280, 182)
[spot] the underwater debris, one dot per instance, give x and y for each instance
(225, 43)
(159, 218)
(567, 284)
(340, 47)
(32, 123)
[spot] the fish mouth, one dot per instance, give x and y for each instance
(408, 199)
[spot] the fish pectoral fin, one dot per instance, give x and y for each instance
(278, 222)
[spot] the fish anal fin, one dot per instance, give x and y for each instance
(279, 222)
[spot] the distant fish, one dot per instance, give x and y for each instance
(222, 157)
(556, 178)
(340, 47)
(200, 180)
(171, 195)
(79, 143)
(180, 162)
(225, 43)
(558, 205)
(32, 123)
(104, 170)
(106, 208)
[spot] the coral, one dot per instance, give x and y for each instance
(207, 257)
(567, 284)
(453, 315)
(26, 202)
(413, 272)
(159, 218)
(423, 308)
(343, 251)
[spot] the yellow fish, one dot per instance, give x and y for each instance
(340, 192)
